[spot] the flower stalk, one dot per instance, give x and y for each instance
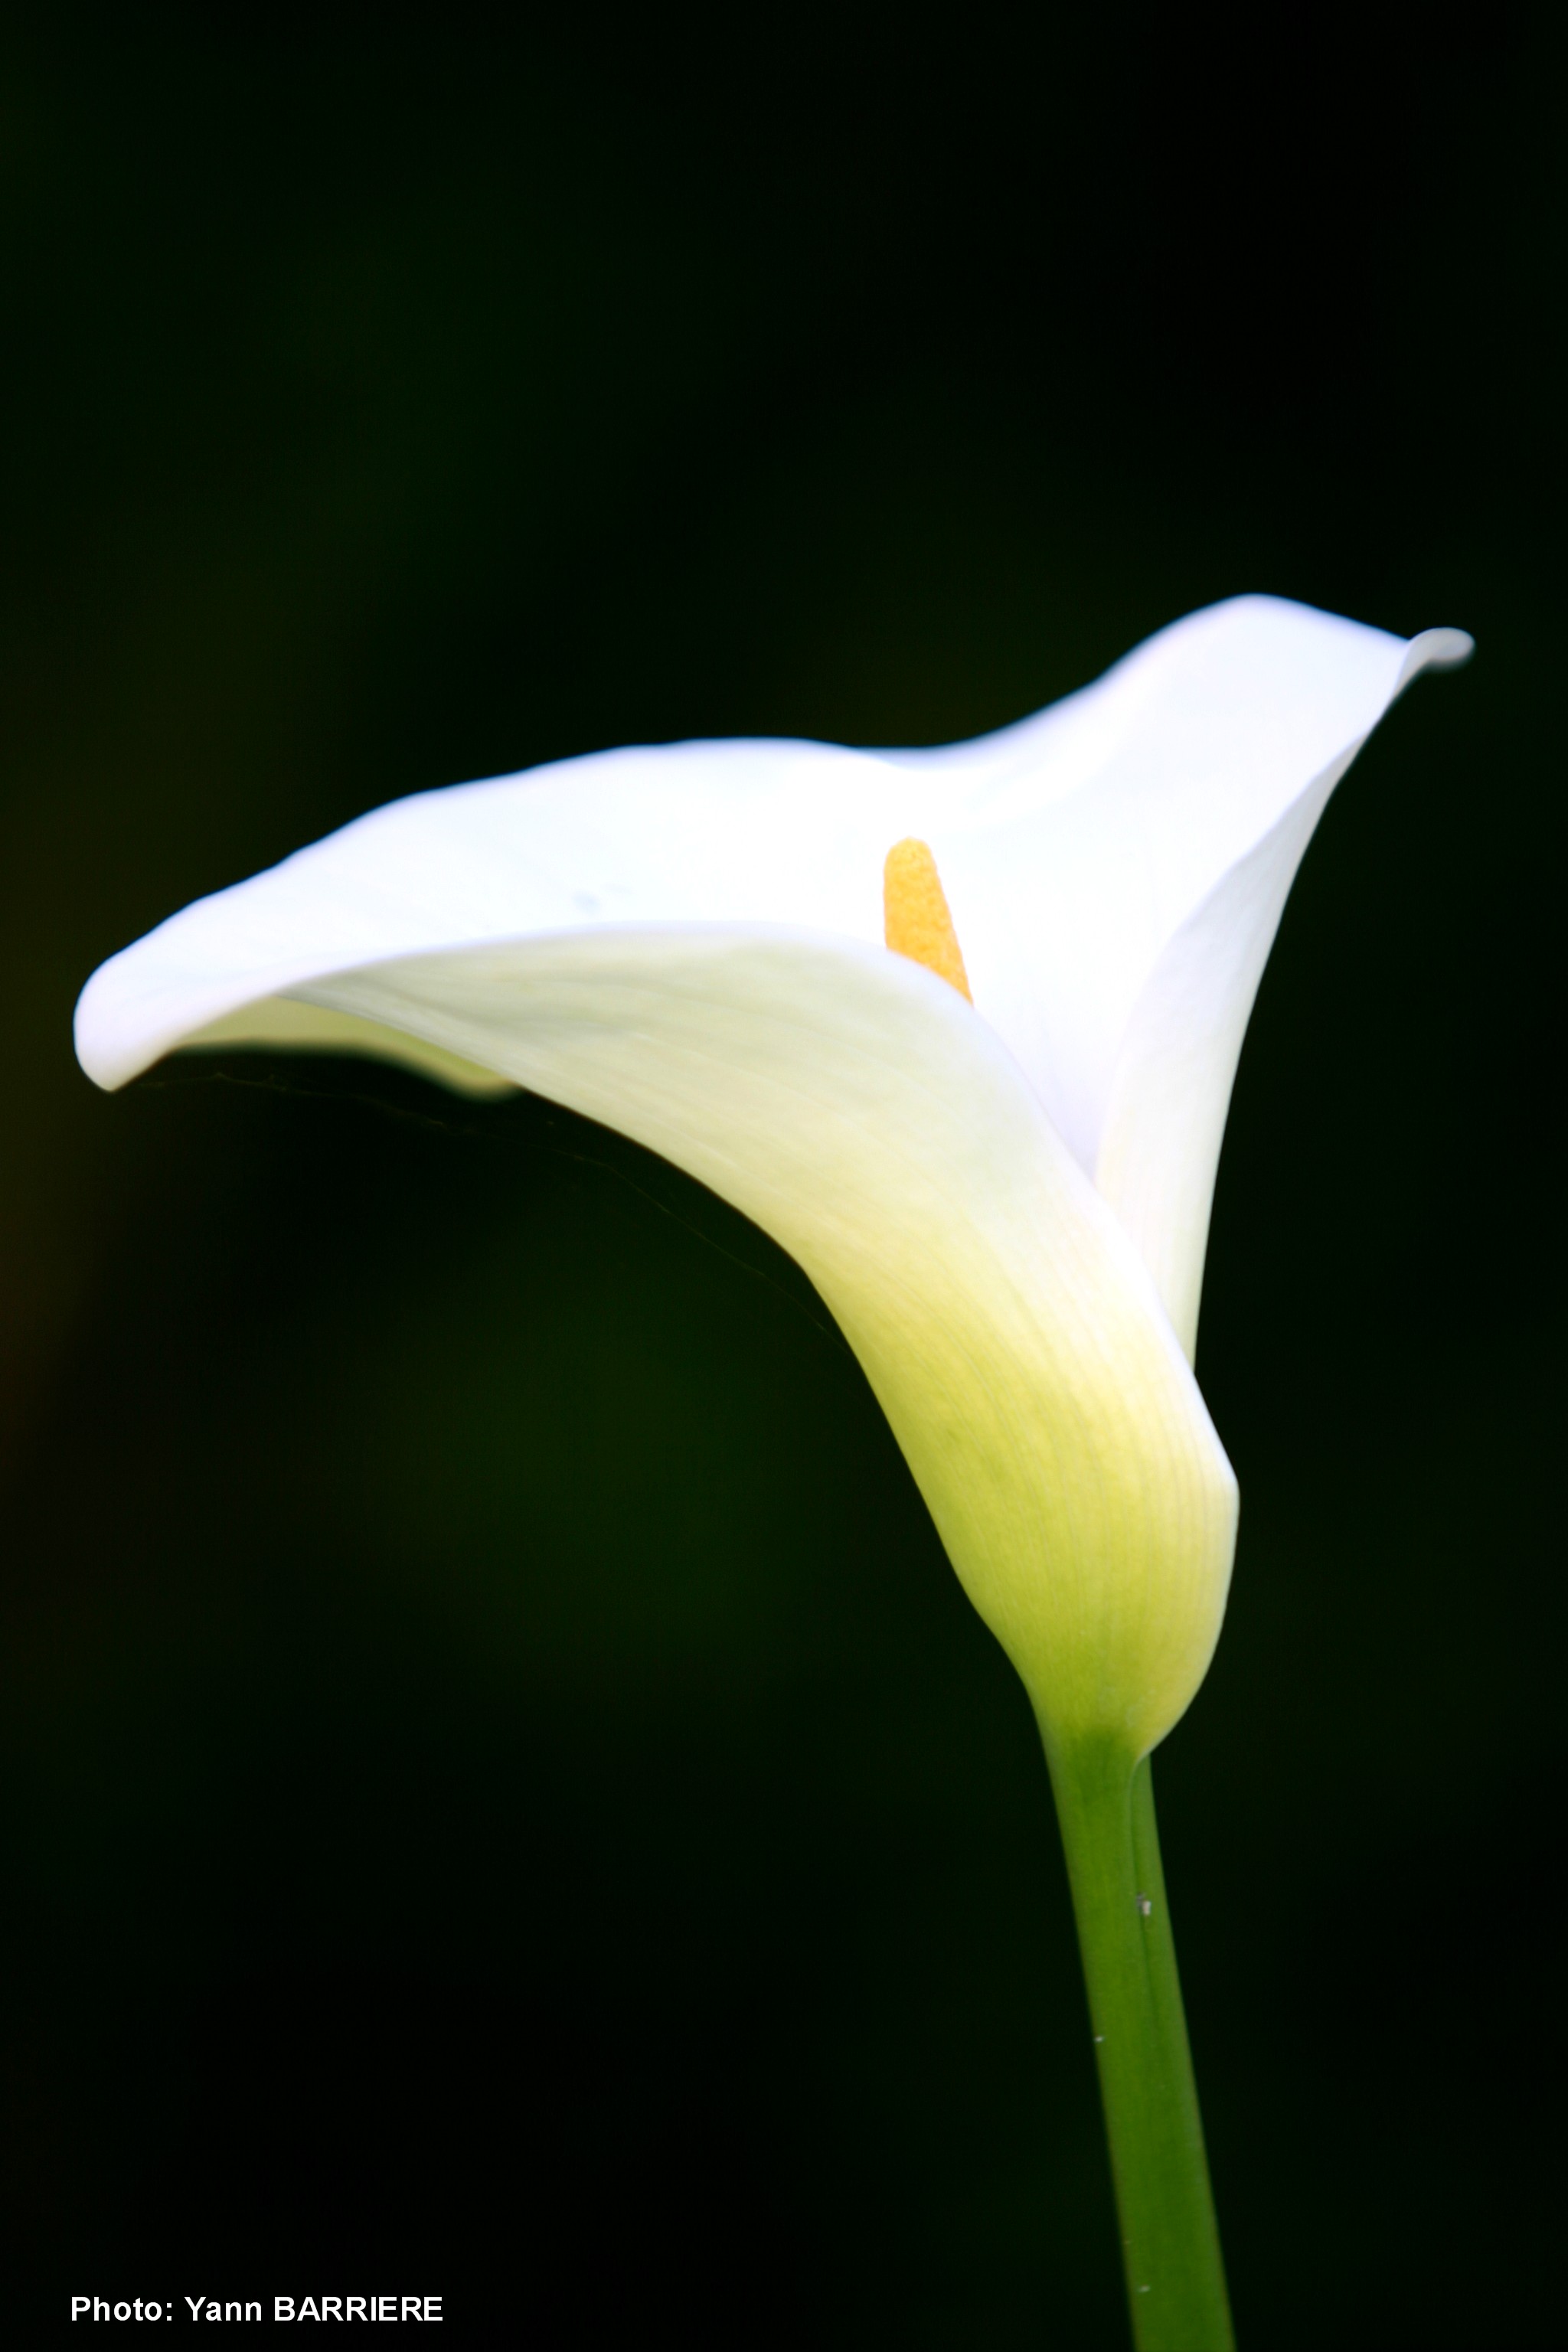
(1170, 2239)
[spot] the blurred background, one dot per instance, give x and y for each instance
(503, 1796)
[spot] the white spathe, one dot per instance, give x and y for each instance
(1005, 1206)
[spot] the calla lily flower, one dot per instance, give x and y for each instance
(977, 1089)
(958, 1028)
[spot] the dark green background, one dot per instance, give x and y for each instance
(504, 1795)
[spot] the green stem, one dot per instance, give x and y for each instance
(1175, 2279)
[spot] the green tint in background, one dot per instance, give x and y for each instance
(504, 1795)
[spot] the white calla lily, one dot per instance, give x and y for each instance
(1006, 1204)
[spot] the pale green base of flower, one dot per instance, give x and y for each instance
(1175, 2279)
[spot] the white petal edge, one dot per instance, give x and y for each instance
(288, 1021)
(1175, 1070)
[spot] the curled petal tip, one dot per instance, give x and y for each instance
(1437, 649)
